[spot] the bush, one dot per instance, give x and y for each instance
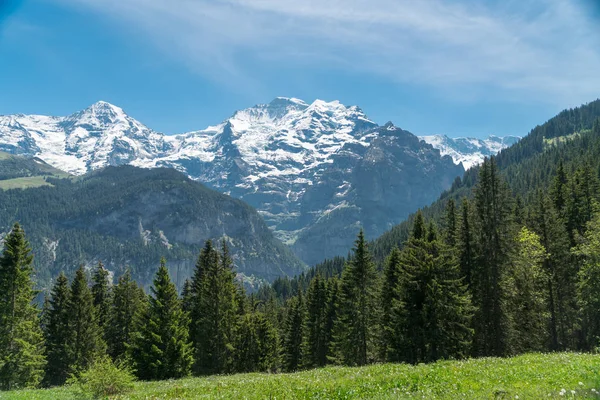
(103, 379)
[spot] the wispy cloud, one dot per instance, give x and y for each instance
(540, 49)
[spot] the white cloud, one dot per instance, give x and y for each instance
(540, 49)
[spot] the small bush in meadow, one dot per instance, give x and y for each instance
(103, 379)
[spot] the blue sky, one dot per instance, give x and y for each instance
(462, 67)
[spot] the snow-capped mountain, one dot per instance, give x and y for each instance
(469, 151)
(316, 172)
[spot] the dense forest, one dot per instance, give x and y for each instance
(506, 262)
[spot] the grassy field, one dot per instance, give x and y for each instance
(525, 377)
(23, 183)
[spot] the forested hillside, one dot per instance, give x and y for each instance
(129, 217)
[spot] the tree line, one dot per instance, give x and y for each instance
(497, 276)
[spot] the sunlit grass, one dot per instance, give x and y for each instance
(531, 376)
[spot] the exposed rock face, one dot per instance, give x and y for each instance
(127, 216)
(315, 172)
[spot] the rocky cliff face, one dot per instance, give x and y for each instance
(316, 172)
(127, 216)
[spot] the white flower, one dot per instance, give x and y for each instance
(572, 392)
(580, 383)
(516, 396)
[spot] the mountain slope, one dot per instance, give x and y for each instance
(127, 216)
(571, 137)
(469, 151)
(316, 172)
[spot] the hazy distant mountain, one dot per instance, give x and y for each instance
(470, 151)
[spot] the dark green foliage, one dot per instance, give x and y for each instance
(465, 245)
(161, 349)
(559, 269)
(390, 298)
(57, 333)
(86, 344)
(21, 339)
(493, 227)
(357, 311)
(292, 334)
(431, 309)
(101, 290)
(128, 305)
(213, 305)
(527, 296)
(589, 285)
(98, 216)
(257, 346)
(450, 223)
(315, 345)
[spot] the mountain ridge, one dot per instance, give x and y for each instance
(306, 168)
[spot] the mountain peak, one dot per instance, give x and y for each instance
(104, 107)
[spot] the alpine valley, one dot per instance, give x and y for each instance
(316, 173)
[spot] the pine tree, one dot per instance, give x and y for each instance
(559, 271)
(292, 336)
(162, 350)
(431, 311)
(216, 308)
(101, 291)
(86, 343)
(58, 334)
(357, 313)
(589, 284)
(526, 284)
(465, 243)
(450, 223)
(390, 296)
(558, 190)
(315, 342)
(207, 260)
(187, 299)
(493, 235)
(22, 358)
(128, 305)
(331, 316)
(257, 346)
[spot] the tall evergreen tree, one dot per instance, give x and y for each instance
(589, 285)
(128, 305)
(207, 260)
(21, 339)
(216, 308)
(187, 297)
(315, 342)
(331, 315)
(162, 349)
(493, 235)
(257, 346)
(101, 291)
(431, 313)
(390, 296)
(559, 271)
(58, 334)
(87, 344)
(465, 242)
(450, 223)
(357, 313)
(292, 335)
(526, 286)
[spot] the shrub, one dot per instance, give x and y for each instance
(103, 379)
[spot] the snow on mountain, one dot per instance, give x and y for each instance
(316, 172)
(469, 151)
